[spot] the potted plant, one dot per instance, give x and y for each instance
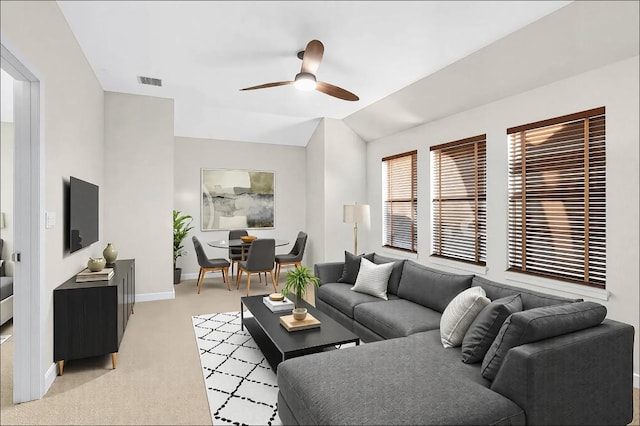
(181, 227)
(296, 283)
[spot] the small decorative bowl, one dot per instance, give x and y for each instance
(276, 297)
(248, 238)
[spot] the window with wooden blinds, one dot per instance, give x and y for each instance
(400, 204)
(459, 200)
(557, 205)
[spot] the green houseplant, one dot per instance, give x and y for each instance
(296, 283)
(181, 227)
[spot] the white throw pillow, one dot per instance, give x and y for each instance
(459, 314)
(373, 279)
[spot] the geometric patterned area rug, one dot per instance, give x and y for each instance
(241, 387)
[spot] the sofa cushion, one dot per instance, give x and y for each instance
(340, 296)
(429, 287)
(538, 324)
(459, 314)
(396, 318)
(373, 279)
(530, 299)
(352, 266)
(485, 327)
(399, 381)
(396, 273)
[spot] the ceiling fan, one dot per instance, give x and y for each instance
(306, 78)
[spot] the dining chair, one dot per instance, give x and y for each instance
(261, 258)
(209, 265)
(294, 257)
(235, 253)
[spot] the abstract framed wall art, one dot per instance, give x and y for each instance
(237, 199)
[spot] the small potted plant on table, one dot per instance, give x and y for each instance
(296, 284)
(181, 227)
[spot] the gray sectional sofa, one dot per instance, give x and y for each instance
(550, 360)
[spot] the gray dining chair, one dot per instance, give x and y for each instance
(294, 257)
(235, 253)
(209, 265)
(261, 258)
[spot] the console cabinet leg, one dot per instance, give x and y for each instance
(114, 359)
(60, 367)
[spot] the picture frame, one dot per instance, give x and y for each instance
(237, 199)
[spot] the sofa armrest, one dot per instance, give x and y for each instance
(585, 377)
(328, 272)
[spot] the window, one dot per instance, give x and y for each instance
(557, 198)
(400, 202)
(460, 200)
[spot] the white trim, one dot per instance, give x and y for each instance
(575, 289)
(50, 376)
(150, 297)
(192, 276)
(636, 380)
(461, 266)
(29, 378)
(400, 254)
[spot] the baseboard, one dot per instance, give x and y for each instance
(50, 377)
(636, 380)
(150, 297)
(193, 276)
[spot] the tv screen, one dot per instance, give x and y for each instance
(83, 214)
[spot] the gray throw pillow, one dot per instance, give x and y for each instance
(352, 266)
(485, 327)
(430, 287)
(539, 324)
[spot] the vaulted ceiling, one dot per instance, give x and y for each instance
(205, 51)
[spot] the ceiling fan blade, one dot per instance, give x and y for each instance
(336, 91)
(264, 86)
(312, 56)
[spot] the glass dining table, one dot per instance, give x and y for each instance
(226, 244)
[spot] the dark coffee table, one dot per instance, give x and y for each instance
(277, 344)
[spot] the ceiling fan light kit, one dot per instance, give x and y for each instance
(306, 78)
(305, 81)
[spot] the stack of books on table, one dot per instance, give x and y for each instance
(87, 275)
(285, 305)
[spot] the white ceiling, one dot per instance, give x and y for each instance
(205, 51)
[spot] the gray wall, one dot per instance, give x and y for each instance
(288, 162)
(138, 200)
(72, 128)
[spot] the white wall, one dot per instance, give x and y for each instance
(6, 191)
(614, 86)
(72, 115)
(288, 162)
(336, 170)
(138, 157)
(315, 194)
(345, 183)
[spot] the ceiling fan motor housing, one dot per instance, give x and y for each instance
(305, 81)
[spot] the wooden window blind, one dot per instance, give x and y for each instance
(460, 200)
(400, 204)
(557, 210)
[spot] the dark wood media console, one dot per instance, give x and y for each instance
(89, 318)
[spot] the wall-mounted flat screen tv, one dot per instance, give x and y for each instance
(83, 214)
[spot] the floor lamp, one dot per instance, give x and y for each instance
(355, 213)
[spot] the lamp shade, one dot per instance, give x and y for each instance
(356, 213)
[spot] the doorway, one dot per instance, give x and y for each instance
(30, 364)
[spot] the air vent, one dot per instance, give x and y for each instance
(150, 81)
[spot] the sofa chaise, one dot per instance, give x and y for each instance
(541, 359)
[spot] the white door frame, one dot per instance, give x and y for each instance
(29, 363)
